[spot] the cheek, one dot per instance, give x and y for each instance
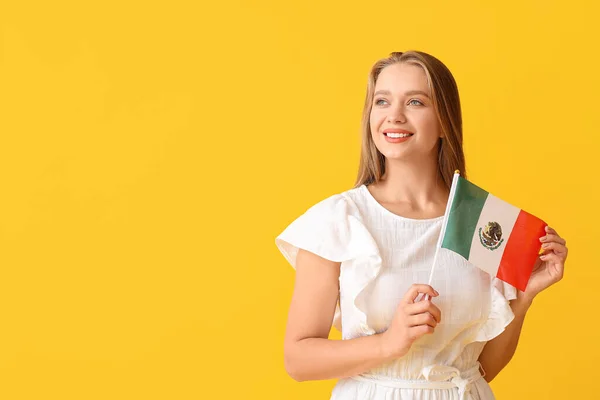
(429, 123)
(374, 120)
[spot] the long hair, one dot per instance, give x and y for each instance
(446, 103)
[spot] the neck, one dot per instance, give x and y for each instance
(418, 185)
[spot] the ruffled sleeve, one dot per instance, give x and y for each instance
(325, 229)
(334, 229)
(500, 312)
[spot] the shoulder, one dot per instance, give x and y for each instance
(337, 204)
(332, 228)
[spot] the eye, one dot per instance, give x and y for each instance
(418, 101)
(378, 100)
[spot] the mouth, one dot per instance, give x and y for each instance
(394, 135)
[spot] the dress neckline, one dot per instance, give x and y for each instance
(373, 200)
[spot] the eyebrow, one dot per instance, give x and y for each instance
(410, 92)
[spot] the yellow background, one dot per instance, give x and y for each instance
(151, 152)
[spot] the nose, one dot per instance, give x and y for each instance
(396, 115)
(399, 118)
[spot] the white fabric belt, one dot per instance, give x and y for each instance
(436, 377)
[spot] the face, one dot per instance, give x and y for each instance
(402, 103)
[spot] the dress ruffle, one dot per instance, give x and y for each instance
(500, 312)
(334, 229)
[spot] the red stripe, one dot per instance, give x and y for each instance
(521, 251)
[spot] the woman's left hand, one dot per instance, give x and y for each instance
(550, 265)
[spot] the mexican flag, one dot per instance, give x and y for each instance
(497, 237)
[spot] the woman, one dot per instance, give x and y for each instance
(361, 257)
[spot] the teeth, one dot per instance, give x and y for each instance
(397, 135)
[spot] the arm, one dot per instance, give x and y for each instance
(316, 358)
(308, 353)
(548, 269)
(499, 351)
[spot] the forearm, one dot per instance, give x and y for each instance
(318, 358)
(499, 351)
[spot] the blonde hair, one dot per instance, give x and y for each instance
(446, 103)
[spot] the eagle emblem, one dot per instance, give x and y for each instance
(490, 236)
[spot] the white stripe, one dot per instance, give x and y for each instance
(505, 214)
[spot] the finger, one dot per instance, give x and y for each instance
(418, 331)
(425, 306)
(558, 265)
(420, 297)
(555, 258)
(414, 291)
(562, 256)
(421, 319)
(557, 247)
(551, 230)
(552, 238)
(425, 296)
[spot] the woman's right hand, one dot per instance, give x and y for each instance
(411, 321)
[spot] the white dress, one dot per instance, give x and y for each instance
(382, 254)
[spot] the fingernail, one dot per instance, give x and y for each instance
(545, 245)
(436, 292)
(543, 238)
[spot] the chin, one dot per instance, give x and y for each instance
(396, 155)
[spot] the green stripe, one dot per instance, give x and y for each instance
(469, 200)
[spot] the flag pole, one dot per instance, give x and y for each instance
(445, 222)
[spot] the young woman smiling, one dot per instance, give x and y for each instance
(361, 257)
